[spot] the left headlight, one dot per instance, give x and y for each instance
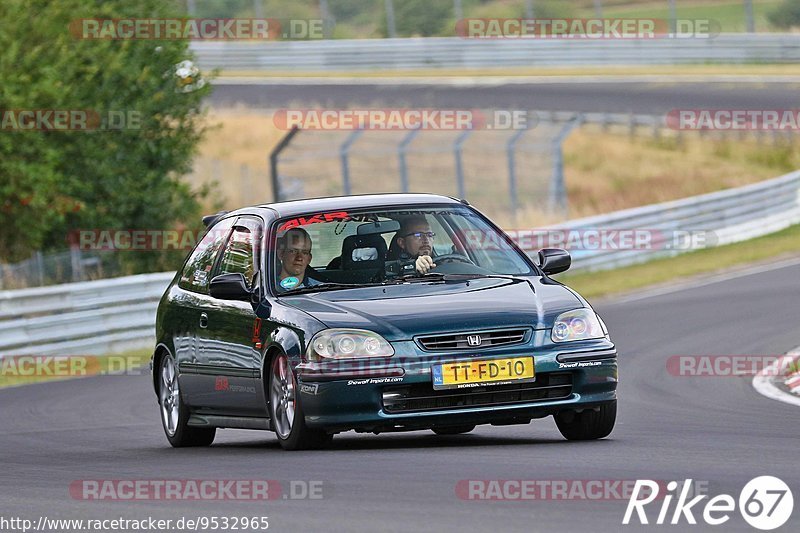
(577, 325)
(347, 344)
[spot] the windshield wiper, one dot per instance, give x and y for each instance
(327, 286)
(437, 276)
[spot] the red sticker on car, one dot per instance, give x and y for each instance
(314, 219)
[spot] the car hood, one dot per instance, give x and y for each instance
(400, 312)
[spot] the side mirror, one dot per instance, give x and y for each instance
(552, 260)
(230, 287)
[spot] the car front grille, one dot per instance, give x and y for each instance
(461, 341)
(423, 397)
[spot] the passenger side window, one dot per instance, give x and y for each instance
(239, 255)
(196, 274)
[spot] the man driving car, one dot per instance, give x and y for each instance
(294, 253)
(415, 239)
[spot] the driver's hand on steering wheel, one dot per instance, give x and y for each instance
(424, 263)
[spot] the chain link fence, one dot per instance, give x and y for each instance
(230, 183)
(61, 267)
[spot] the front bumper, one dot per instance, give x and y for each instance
(397, 393)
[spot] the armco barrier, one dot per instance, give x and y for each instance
(89, 317)
(728, 216)
(460, 53)
(110, 315)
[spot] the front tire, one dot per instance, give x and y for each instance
(286, 412)
(174, 414)
(588, 424)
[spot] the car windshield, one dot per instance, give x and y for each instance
(337, 250)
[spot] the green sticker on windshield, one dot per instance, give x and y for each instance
(290, 283)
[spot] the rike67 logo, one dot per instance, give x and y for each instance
(765, 503)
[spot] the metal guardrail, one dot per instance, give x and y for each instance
(116, 314)
(726, 217)
(90, 317)
(457, 52)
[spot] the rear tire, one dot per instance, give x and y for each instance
(174, 413)
(588, 424)
(453, 430)
(286, 411)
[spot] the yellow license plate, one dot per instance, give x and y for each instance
(475, 373)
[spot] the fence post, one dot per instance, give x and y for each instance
(511, 146)
(39, 267)
(390, 26)
(325, 15)
(401, 155)
(344, 152)
(748, 11)
(457, 146)
(75, 261)
(558, 189)
(273, 162)
(673, 18)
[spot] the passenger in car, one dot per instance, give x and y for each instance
(415, 241)
(294, 254)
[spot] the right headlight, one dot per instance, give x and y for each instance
(577, 325)
(347, 344)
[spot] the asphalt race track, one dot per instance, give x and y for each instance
(714, 429)
(578, 95)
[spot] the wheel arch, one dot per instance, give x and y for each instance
(158, 355)
(281, 340)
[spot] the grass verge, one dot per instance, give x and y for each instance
(626, 279)
(25, 370)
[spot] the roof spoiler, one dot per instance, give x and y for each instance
(208, 220)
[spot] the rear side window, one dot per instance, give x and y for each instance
(196, 273)
(239, 255)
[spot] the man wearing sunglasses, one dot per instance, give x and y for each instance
(294, 253)
(415, 240)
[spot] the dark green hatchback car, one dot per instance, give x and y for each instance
(374, 313)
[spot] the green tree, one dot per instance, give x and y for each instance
(785, 15)
(54, 182)
(421, 18)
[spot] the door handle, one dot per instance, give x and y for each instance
(203, 320)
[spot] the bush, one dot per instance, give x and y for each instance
(52, 182)
(786, 15)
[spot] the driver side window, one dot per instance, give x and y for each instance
(239, 255)
(196, 273)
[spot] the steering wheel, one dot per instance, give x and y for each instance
(451, 258)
